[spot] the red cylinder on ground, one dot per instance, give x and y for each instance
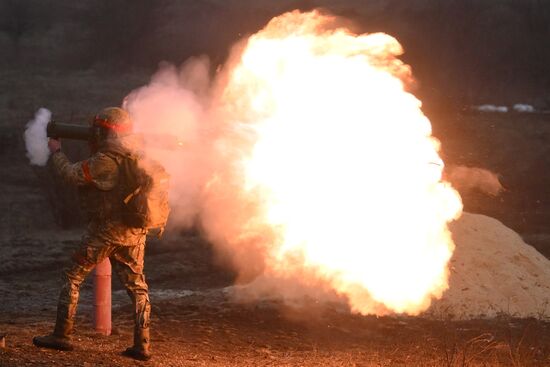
(102, 297)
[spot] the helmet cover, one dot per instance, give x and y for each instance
(114, 119)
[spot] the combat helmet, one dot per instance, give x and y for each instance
(113, 121)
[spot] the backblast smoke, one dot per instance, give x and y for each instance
(36, 141)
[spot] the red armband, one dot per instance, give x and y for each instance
(86, 171)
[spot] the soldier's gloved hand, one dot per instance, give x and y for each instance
(54, 145)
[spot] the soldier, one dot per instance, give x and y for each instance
(99, 182)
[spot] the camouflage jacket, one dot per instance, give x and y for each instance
(100, 194)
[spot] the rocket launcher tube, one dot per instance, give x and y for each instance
(58, 130)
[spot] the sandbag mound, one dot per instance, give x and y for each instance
(493, 272)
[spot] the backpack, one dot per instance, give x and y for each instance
(145, 185)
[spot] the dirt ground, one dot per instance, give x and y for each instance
(195, 321)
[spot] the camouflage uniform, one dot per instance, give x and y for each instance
(105, 237)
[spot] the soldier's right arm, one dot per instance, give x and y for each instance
(99, 170)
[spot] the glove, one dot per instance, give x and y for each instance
(54, 145)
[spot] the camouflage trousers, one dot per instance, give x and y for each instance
(127, 262)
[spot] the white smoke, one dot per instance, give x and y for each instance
(36, 140)
(518, 107)
(521, 107)
(492, 108)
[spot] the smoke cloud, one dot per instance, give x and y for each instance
(36, 140)
(307, 116)
(206, 180)
(171, 113)
(474, 178)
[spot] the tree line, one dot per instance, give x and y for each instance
(467, 51)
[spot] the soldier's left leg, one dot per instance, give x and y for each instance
(128, 264)
(90, 253)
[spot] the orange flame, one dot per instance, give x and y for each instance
(343, 171)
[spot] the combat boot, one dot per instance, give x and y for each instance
(141, 350)
(60, 338)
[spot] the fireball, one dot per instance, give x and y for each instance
(339, 172)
